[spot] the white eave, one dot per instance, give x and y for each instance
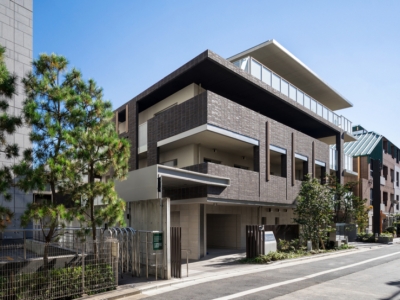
(277, 58)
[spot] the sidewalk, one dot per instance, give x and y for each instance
(218, 267)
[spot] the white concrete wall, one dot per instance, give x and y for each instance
(179, 97)
(185, 155)
(189, 215)
(149, 215)
(16, 35)
(139, 185)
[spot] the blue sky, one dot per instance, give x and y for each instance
(128, 45)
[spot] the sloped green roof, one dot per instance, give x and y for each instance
(364, 146)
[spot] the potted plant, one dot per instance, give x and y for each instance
(385, 238)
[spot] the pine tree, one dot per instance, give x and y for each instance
(8, 126)
(96, 150)
(48, 89)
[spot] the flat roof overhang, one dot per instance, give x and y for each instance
(276, 57)
(223, 201)
(142, 184)
(216, 74)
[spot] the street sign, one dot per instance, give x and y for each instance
(157, 241)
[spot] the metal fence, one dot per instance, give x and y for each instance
(63, 269)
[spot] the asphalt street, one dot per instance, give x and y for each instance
(373, 274)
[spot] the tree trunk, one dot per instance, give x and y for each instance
(94, 233)
(46, 257)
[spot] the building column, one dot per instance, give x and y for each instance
(339, 149)
(376, 196)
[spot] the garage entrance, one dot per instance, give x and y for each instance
(223, 231)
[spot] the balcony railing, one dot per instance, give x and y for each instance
(258, 70)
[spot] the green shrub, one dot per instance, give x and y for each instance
(65, 283)
(366, 237)
(386, 234)
(289, 246)
(391, 229)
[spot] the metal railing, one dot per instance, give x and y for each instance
(258, 70)
(31, 269)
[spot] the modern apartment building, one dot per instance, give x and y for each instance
(373, 146)
(16, 36)
(231, 140)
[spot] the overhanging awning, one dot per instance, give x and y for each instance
(142, 184)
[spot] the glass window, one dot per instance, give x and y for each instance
(277, 163)
(255, 69)
(370, 196)
(285, 87)
(266, 76)
(300, 97)
(242, 64)
(292, 92)
(276, 82)
(301, 169)
(307, 101)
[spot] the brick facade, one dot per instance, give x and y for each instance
(210, 108)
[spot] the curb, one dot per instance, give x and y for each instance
(130, 291)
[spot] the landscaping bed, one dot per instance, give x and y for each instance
(289, 250)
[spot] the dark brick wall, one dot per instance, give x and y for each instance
(211, 108)
(178, 119)
(231, 116)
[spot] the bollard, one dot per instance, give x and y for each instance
(309, 245)
(187, 264)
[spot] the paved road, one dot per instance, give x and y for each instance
(371, 274)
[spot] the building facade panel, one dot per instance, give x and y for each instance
(16, 35)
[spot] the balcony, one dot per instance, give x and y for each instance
(256, 69)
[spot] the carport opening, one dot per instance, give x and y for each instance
(223, 231)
